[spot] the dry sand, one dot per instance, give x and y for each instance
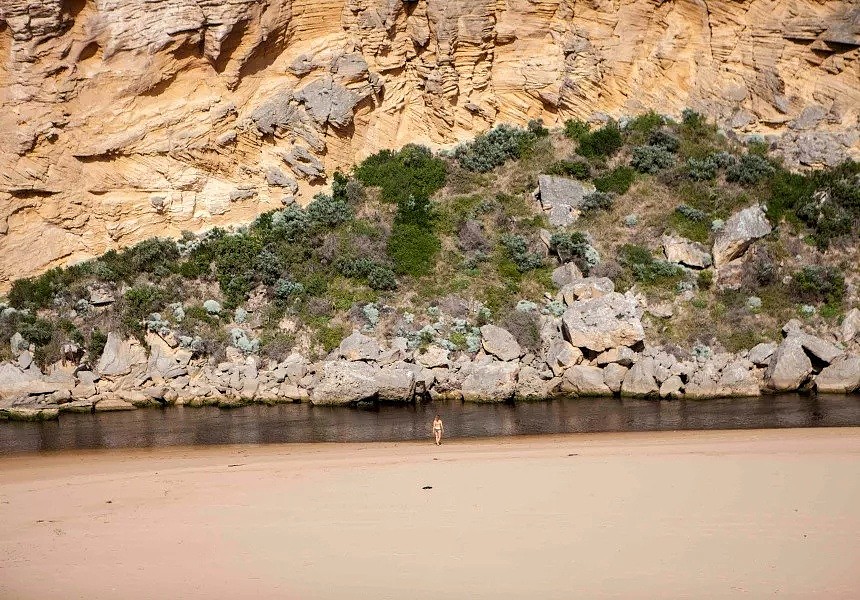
(750, 514)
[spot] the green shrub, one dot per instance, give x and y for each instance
(328, 211)
(664, 140)
(536, 128)
(494, 148)
(413, 249)
(597, 201)
(605, 141)
(618, 180)
(577, 169)
(819, 284)
(705, 279)
(137, 304)
(235, 258)
(284, 289)
(651, 159)
(576, 129)
(640, 127)
(381, 278)
(645, 268)
(518, 251)
(701, 169)
(98, 340)
(413, 171)
(574, 247)
(38, 331)
(691, 223)
(750, 169)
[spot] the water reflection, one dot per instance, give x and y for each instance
(305, 423)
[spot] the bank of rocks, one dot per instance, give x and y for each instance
(596, 346)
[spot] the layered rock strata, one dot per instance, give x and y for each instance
(122, 120)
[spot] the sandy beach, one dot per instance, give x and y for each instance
(743, 514)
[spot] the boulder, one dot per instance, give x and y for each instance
(585, 288)
(531, 386)
(685, 252)
(820, 349)
(562, 355)
(561, 198)
(601, 323)
(789, 367)
(582, 380)
(760, 354)
(434, 357)
(640, 380)
(29, 413)
(672, 387)
(344, 382)
(613, 376)
(396, 383)
(16, 382)
(492, 382)
(17, 344)
(622, 355)
(500, 343)
(358, 346)
(737, 380)
(840, 377)
(565, 274)
(109, 403)
(328, 101)
(850, 325)
(739, 231)
(121, 357)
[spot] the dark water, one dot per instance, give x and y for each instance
(305, 423)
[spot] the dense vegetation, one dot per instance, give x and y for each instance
(409, 233)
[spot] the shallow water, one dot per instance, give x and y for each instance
(258, 424)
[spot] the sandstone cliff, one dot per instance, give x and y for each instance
(125, 119)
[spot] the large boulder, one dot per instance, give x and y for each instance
(741, 230)
(500, 343)
(531, 386)
(820, 349)
(613, 376)
(492, 382)
(562, 355)
(396, 382)
(344, 382)
(561, 198)
(435, 356)
(585, 288)
(121, 357)
(601, 323)
(841, 377)
(358, 346)
(760, 354)
(682, 251)
(673, 387)
(565, 274)
(850, 325)
(582, 380)
(16, 382)
(789, 367)
(640, 380)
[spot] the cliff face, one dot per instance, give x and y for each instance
(125, 119)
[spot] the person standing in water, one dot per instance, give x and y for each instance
(437, 430)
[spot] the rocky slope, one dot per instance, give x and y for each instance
(594, 348)
(127, 119)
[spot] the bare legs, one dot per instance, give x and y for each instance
(438, 434)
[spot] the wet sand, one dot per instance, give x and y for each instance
(740, 514)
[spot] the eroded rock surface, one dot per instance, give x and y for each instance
(125, 120)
